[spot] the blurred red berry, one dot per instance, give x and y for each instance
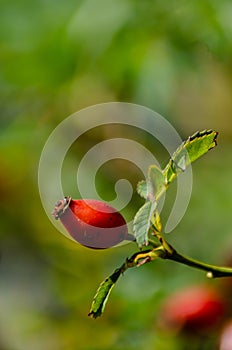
(193, 309)
(92, 223)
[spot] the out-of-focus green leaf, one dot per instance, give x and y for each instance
(190, 150)
(103, 292)
(141, 224)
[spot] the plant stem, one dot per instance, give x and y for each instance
(168, 252)
(212, 270)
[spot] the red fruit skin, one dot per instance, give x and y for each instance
(193, 309)
(93, 223)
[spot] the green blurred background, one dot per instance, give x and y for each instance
(56, 58)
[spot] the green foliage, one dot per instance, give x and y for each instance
(152, 190)
(155, 185)
(142, 189)
(102, 294)
(190, 150)
(141, 224)
(158, 181)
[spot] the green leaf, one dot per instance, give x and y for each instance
(142, 189)
(152, 189)
(103, 292)
(154, 186)
(157, 181)
(141, 224)
(190, 150)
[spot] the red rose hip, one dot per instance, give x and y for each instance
(92, 223)
(193, 309)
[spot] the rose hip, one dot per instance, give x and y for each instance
(193, 309)
(92, 223)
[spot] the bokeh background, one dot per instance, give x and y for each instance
(56, 58)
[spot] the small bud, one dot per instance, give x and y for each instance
(209, 274)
